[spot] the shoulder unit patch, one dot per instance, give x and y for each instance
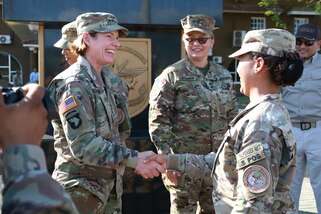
(256, 179)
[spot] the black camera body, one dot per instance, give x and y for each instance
(13, 95)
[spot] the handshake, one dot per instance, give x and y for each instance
(150, 165)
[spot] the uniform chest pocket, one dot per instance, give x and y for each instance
(316, 75)
(191, 95)
(105, 115)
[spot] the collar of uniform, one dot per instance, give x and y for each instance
(262, 99)
(90, 70)
(193, 68)
(253, 104)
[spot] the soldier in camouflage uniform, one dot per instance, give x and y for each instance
(117, 85)
(91, 153)
(191, 103)
(29, 187)
(68, 36)
(255, 163)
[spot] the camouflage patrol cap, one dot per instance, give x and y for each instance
(268, 41)
(199, 22)
(68, 35)
(99, 22)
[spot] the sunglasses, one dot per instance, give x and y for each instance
(306, 42)
(201, 40)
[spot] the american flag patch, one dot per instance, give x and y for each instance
(67, 104)
(160, 82)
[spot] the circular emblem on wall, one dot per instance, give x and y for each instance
(133, 64)
(256, 179)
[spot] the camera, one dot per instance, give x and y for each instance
(13, 95)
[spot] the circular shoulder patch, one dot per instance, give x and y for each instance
(256, 179)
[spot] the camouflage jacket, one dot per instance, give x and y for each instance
(90, 151)
(189, 112)
(255, 163)
(29, 187)
(121, 93)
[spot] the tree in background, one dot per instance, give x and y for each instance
(272, 11)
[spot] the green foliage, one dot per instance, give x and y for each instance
(271, 7)
(272, 12)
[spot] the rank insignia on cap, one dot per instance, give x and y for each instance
(67, 104)
(256, 179)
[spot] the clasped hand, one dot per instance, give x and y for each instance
(158, 164)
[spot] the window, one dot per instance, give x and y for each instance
(257, 23)
(8, 67)
(232, 68)
(298, 22)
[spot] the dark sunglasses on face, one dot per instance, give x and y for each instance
(201, 40)
(305, 42)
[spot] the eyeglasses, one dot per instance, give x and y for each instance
(201, 40)
(305, 42)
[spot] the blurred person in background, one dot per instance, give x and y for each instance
(303, 103)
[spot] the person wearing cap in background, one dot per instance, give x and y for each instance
(303, 103)
(254, 166)
(68, 35)
(191, 103)
(90, 153)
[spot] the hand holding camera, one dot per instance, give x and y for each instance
(23, 115)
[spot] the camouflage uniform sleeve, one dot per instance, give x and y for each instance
(195, 166)
(258, 168)
(82, 130)
(161, 113)
(28, 186)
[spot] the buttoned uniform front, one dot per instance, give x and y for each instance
(121, 93)
(90, 152)
(303, 102)
(189, 113)
(255, 163)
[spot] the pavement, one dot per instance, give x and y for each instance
(307, 202)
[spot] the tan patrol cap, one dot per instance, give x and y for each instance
(99, 22)
(68, 35)
(199, 22)
(270, 41)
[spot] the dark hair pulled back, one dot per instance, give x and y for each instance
(284, 70)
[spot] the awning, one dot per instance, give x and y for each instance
(149, 12)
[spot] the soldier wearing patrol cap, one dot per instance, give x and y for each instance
(91, 154)
(191, 103)
(255, 164)
(303, 103)
(68, 35)
(118, 85)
